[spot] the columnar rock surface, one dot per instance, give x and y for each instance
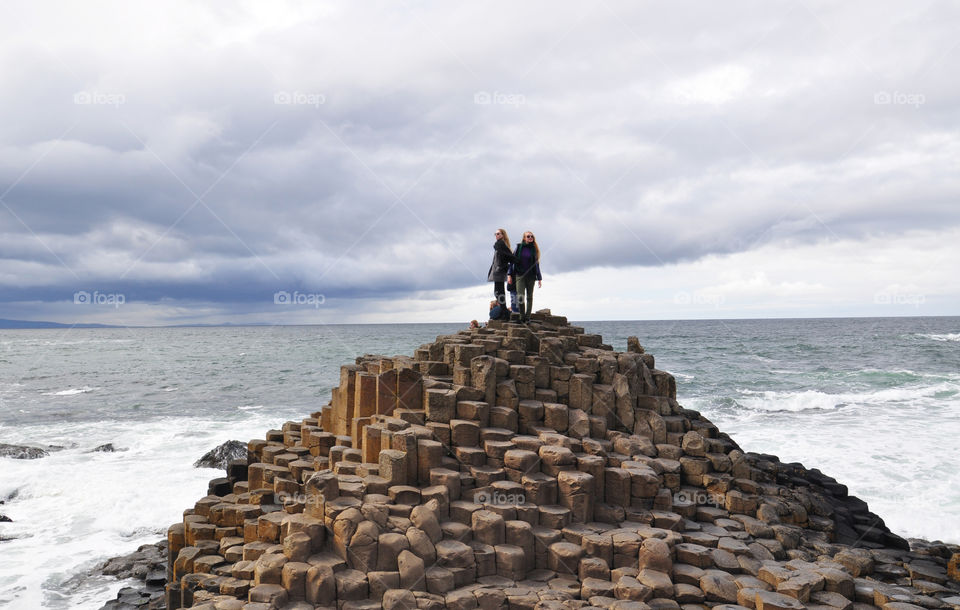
(532, 466)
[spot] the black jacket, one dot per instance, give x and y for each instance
(501, 258)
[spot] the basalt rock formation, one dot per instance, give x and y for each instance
(532, 466)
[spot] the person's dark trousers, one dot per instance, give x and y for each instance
(500, 293)
(525, 293)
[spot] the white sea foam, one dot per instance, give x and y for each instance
(769, 400)
(72, 391)
(789, 401)
(943, 337)
(74, 508)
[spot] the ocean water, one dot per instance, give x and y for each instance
(872, 402)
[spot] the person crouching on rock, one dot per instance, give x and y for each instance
(502, 257)
(526, 267)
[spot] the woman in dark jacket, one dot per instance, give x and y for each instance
(526, 266)
(502, 257)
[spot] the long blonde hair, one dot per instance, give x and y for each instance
(506, 238)
(536, 246)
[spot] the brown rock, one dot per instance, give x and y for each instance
(294, 579)
(275, 596)
(593, 587)
(564, 557)
(687, 594)
(412, 572)
(351, 585)
(399, 599)
(953, 568)
(269, 569)
(320, 585)
(658, 582)
(829, 598)
(655, 554)
(439, 580)
(488, 527)
(631, 589)
(719, 586)
(426, 520)
(858, 562)
(768, 600)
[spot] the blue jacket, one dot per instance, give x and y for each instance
(526, 265)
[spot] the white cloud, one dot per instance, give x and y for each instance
(646, 141)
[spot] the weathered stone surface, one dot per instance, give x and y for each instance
(531, 467)
(769, 600)
(412, 571)
(655, 554)
(718, 586)
(220, 456)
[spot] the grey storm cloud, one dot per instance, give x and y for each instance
(368, 150)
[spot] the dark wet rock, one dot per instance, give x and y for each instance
(148, 564)
(222, 455)
(139, 563)
(132, 598)
(22, 452)
(105, 448)
(5, 519)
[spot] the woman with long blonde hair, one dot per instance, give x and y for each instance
(502, 257)
(526, 266)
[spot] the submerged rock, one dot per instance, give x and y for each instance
(105, 448)
(222, 455)
(22, 452)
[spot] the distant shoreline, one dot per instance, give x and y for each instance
(46, 325)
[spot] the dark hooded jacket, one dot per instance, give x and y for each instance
(502, 257)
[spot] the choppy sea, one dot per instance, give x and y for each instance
(872, 402)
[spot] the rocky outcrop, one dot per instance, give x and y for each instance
(532, 467)
(220, 456)
(147, 564)
(22, 452)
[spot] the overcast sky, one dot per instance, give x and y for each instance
(175, 162)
